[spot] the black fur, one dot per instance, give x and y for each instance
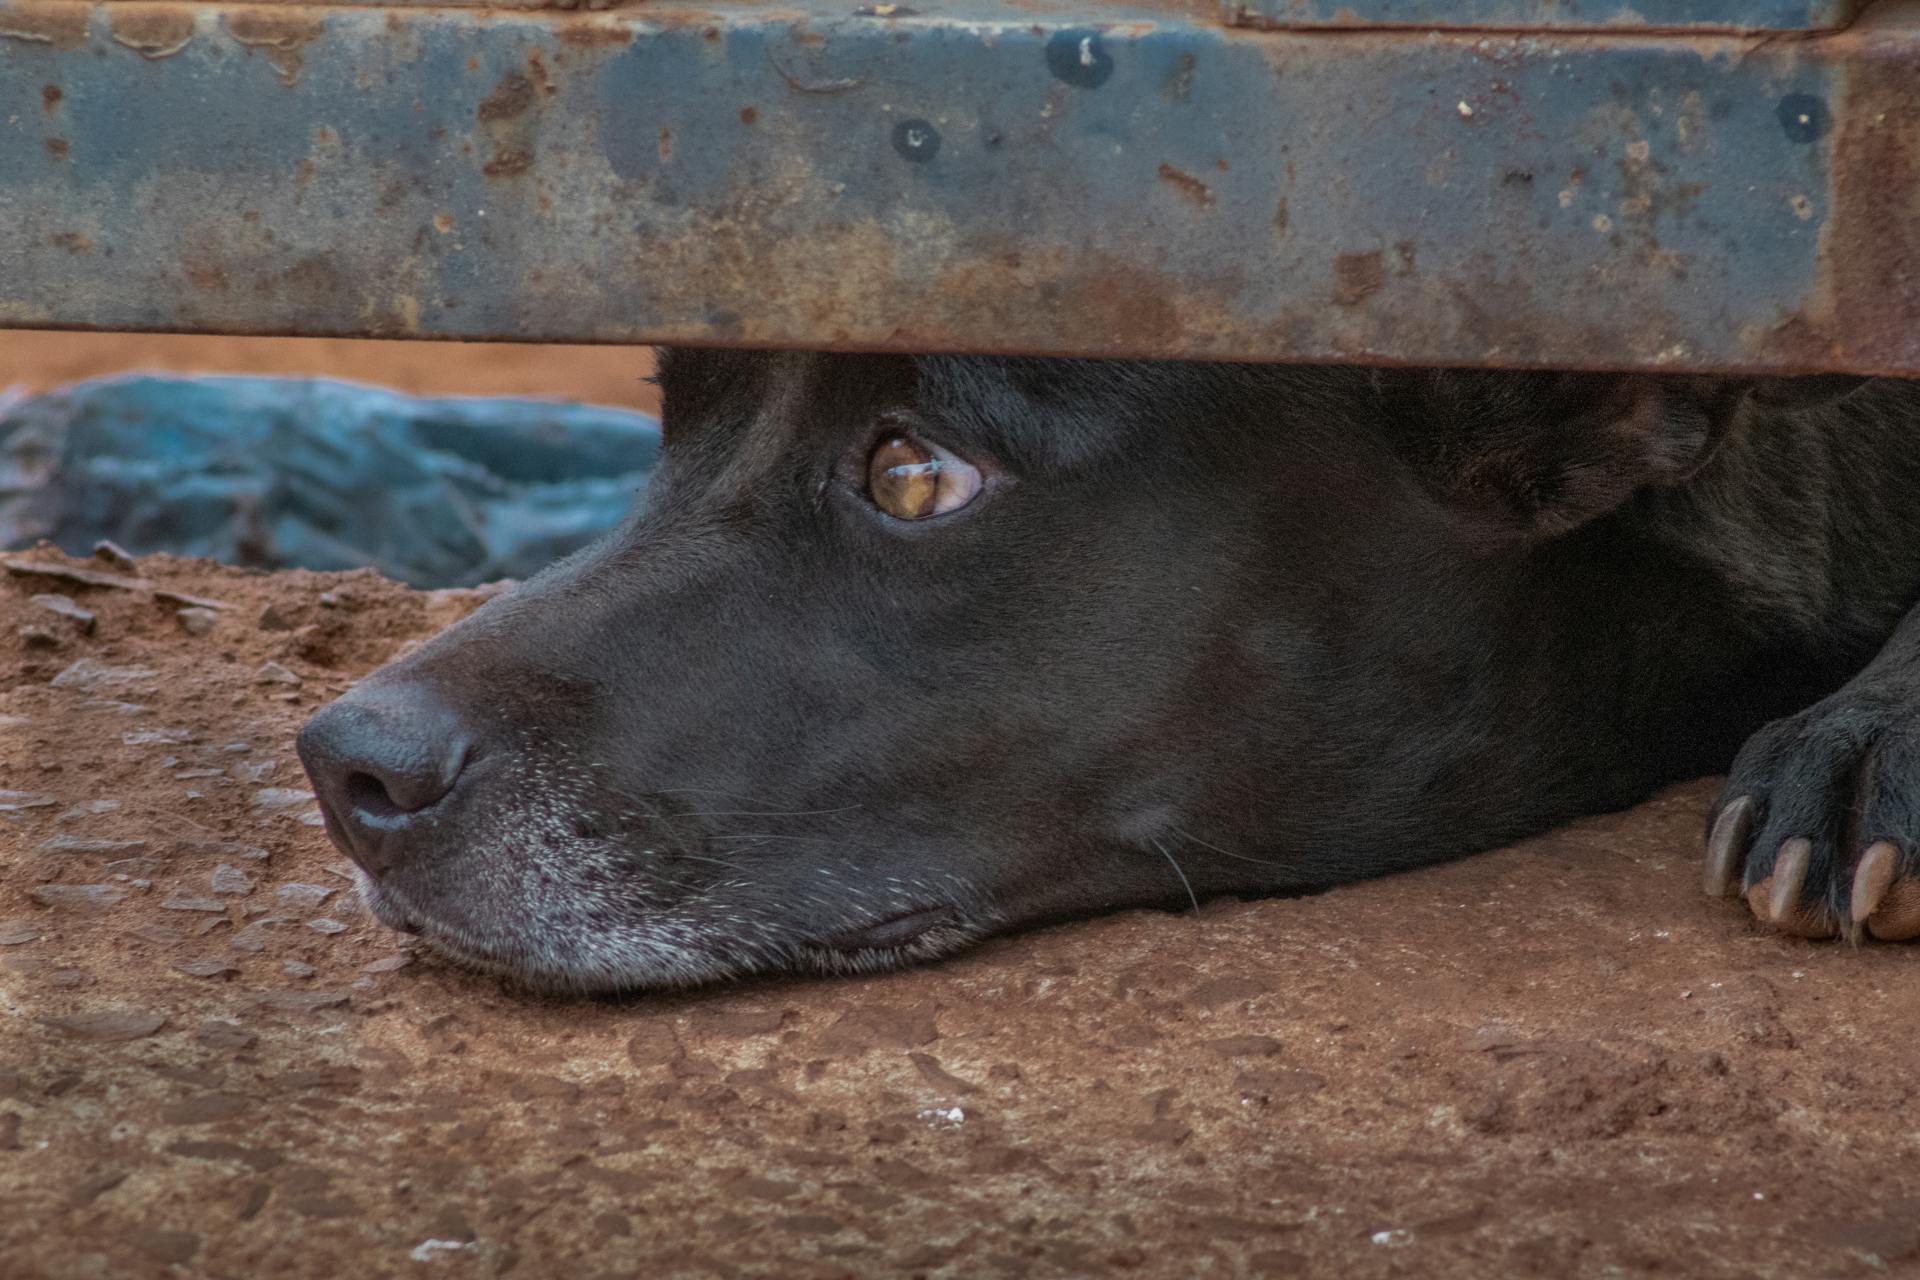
(1209, 629)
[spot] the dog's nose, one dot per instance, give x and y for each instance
(380, 760)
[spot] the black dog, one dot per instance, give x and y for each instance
(905, 651)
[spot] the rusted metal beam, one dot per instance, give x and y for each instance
(1085, 179)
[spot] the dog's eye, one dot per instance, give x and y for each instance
(911, 480)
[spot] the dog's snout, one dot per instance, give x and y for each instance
(380, 761)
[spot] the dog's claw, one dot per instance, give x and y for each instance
(1871, 880)
(1725, 844)
(1777, 898)
(1789, 877)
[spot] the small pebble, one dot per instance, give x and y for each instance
(114, 554)
(300, 1001)
(223, 1035)
(64, 844)
(196, 621)
(92, 808)
(281, 798)
(228, 878)
(116, 706)
(156, 737)
(190, 775)
(207, 968)
(77, 897)
(272, 619)
(168, 596)
(133, 866)
(388, 965)
(16, 801)
(90, 675)
(15, 932)
(63, 606)
(160, 935)
(304, 895)
(256, 771)
(193, 904)
(273, 673)
(108, 1025)
(324, 925)
(221, 848)
(298, 968)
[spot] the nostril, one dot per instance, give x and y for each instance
(368, 796)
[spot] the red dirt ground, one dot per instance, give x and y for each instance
(1554, 1060)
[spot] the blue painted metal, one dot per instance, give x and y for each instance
(1109, 181)
(1550, 15)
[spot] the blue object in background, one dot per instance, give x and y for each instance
(277, 473)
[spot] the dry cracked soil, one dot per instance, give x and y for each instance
(1557, 1059)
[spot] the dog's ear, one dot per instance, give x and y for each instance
(1536, 455)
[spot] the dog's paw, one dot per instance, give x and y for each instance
(1820, 821)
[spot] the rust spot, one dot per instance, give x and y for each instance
(1281, 218)
(312, 279)
(1187, 185)
(1870, 245)
(64, 26)
(74, 242)
(508, 163)
(152, 33)
(323, 135)
(594, 34)
(281, 37)
(57, 148)
(50, 96)
(711, 35)
(1133, 306)
(206, 276)
(443, 223)
(666, 144)
(511, 97)
(537, 68)
(748, 115)
(1357, 275)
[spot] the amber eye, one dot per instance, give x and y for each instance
(911, 480)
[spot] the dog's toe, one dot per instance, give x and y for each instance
(1885, 903)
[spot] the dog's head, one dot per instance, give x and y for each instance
(900, 652)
